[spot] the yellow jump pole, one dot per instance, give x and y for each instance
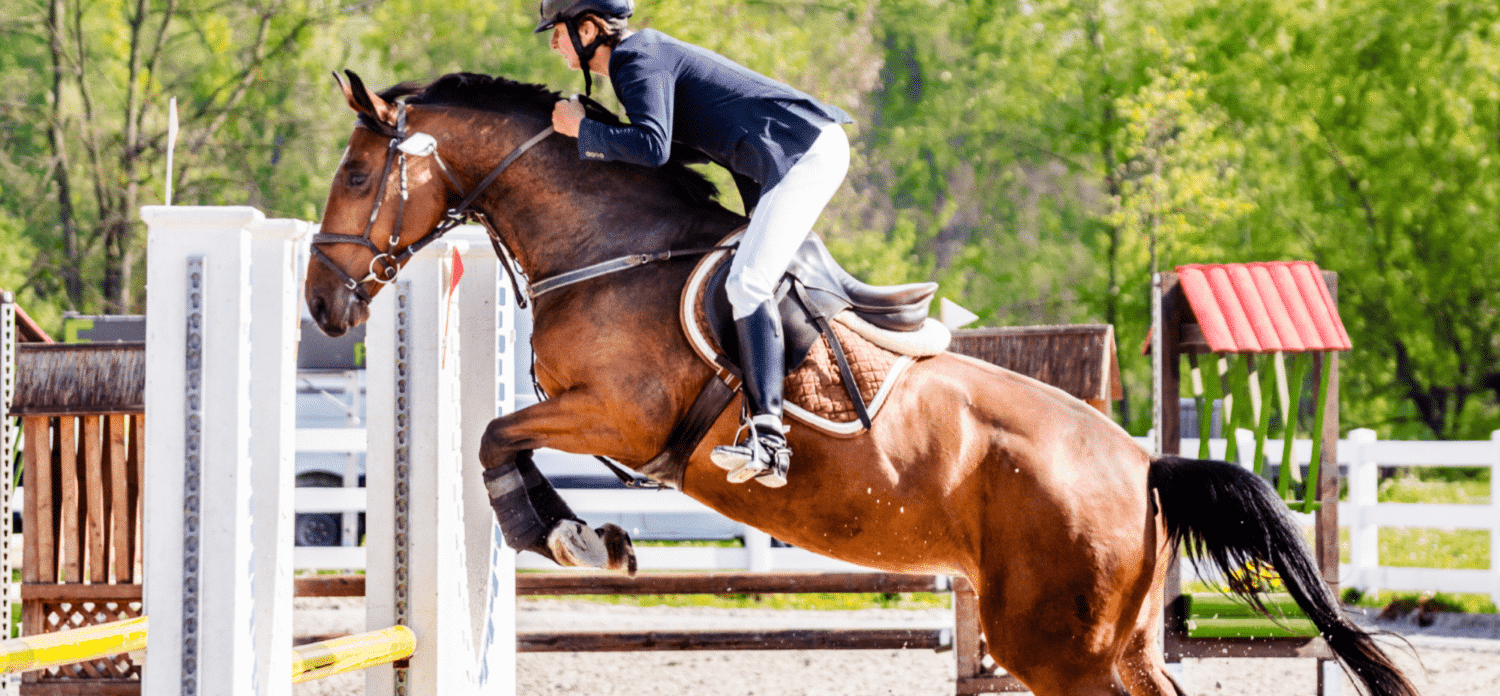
(76, 645)
(350, 653)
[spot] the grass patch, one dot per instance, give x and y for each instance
(815, 602)
(1413, 489)
(1408, 601)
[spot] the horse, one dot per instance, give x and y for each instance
(1062, 524)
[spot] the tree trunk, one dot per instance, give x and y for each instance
(57, 139)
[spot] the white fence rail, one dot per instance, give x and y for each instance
(1364, 516)
(1361, 453)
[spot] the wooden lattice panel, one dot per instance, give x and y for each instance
(49, 616)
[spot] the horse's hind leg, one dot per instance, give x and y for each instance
(1034, 636)
(1141, 667)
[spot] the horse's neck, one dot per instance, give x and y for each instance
(563, 227)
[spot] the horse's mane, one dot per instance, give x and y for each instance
(497, 94)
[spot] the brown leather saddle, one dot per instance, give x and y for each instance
(814, 291)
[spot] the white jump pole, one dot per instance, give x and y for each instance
(489, 385)
(275, 328)
(435, 360)
(201, 529)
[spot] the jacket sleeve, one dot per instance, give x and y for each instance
(646, 92)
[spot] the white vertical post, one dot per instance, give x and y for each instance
(1495, 517)
(275, 327)
(1364, 535)
(1244, 447)
(380, 487)
(198, 561)
(757, 550)
(1158, 366)
(9, 435)
(489, 390)
(421, 380)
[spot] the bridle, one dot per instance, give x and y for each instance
(385, 264)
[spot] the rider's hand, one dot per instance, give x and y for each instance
(566, 115)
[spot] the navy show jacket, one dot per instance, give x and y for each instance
(675, 92)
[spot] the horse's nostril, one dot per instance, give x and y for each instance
(317, 308)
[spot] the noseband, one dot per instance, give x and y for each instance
(385, 264)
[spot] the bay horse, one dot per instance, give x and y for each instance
(1061, 522)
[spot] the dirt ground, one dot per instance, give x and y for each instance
(1456, 657)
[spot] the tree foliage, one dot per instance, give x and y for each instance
(1039, 158)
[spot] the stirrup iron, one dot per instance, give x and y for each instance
(762, 454)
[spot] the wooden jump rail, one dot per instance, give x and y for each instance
(352, 653)
(938, 639)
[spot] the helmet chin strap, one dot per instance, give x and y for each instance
(585, 54)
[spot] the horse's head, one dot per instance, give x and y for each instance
(385, 197)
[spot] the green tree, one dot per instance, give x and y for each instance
(1371, 137)
(87, 124)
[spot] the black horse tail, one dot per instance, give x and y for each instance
(1233, 520)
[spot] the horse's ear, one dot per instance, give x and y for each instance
(363, 100)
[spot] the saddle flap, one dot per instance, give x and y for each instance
(799, 330)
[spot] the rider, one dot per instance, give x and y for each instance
(786, 149)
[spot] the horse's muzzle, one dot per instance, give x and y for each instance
(338, 311)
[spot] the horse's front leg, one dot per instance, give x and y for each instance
(532, 516)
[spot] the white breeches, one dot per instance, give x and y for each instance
(783, 219)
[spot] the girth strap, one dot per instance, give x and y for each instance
(668, 468)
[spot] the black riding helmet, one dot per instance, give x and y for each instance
(554, 11)
(569, 12)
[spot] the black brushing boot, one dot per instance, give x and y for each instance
(763, 454)
(533, 517)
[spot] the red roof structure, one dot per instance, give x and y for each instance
(27, 330)
(1263, 307)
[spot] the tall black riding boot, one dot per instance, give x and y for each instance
(763, 454)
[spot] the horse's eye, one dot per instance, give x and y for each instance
(358, 178)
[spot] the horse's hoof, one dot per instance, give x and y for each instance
(574, 544)
(621, 550)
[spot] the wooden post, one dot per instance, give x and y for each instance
(1327, 515)
(118, 473)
